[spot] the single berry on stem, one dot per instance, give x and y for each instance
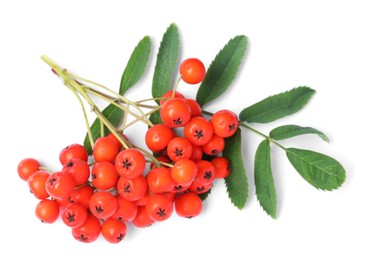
(192, 71)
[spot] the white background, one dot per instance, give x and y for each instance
(322, 44)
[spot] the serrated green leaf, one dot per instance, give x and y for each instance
(236, 182)
(321, 171)
(166, 62)
(288, 131)
(113, 114)
(155, 118)
(136, 65)
(223, 70)
(263, 178)
(277, 106)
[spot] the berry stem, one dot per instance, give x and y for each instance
(176, 86)
(117, 95)
(90, 136)
(139, 119)
(115, 103)
(73, 85)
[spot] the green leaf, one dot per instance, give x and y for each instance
(113, 114)
(155, 118)
(236, 182)
(288, 131)
(136, 65)
(166, 62)
(223, 70)
(263, 178)
(277, 106)
(321, 171)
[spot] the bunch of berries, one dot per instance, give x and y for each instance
(100, 193)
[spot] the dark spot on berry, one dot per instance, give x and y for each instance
(161, 212)
(179, 187)
(214, 152)
(82, 238)
(127, 164)
(120, 218)
(178, 152)
(52, 181)
(200, 189)
(177, 121)
(71, 218)
(127, 189)
(70, 164)
(99, 209)
(94, 176)
(199, 134)
(232, 127)
(207, 175)
(120, 237)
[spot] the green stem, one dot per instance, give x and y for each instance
(90, 136)
(72, 84)
(262, 135)
(139, 119)
(176, 86)
(118, 96)
(113, 102)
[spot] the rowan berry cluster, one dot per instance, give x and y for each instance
(101, 193)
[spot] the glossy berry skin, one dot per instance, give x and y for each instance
(175, 112)
(126, 211)
(47, 211)
(221, 165)
(105, 149)
(197, 153)
(179, 148)
(168, 95)
(36, 183)
(73, 151)
(104, 175)
(184, 172)
(158, 137)
(225, 123)
(132, 189)
(130, 163)
(159, 180)
(27, 167)
(113, 230)
(215, 146)
(188, 205)
(74, 215)
(89, 231)
(103, 204)
(142, 218)
(82, 195)
(198, 131)
(194, 106)
(78, 169)
(206, 172)
(192, 71)
(60, 185)
(159, 207)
